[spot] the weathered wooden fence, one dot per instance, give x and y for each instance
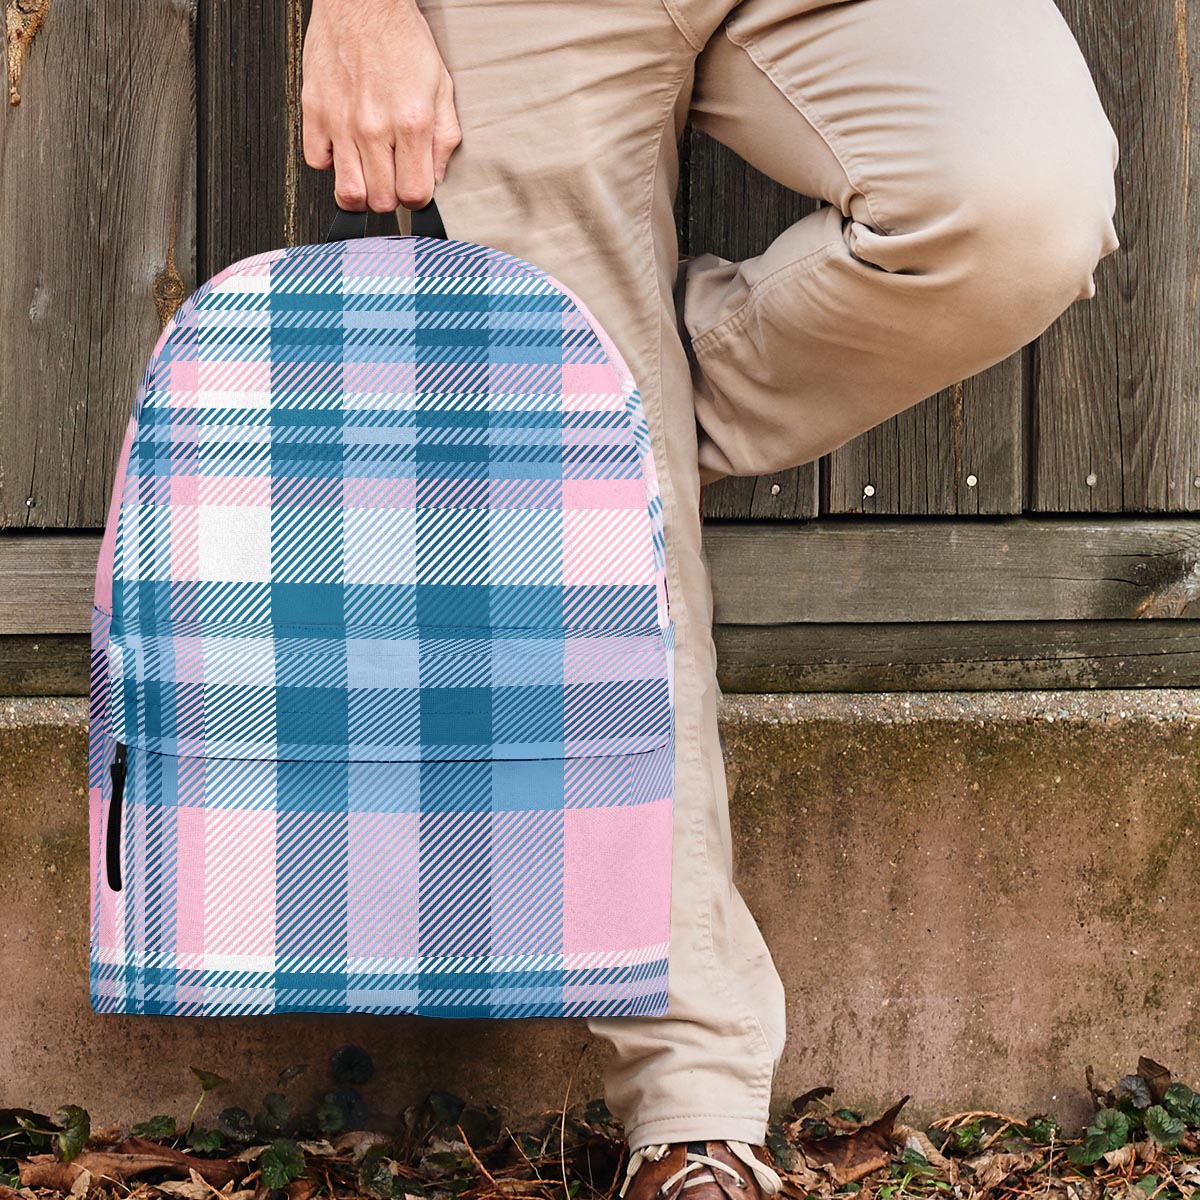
(1015, 530)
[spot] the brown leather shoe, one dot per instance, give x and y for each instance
(710, 1170)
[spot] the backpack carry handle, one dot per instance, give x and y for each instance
(347, 225)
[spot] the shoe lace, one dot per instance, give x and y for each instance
(768, 1178)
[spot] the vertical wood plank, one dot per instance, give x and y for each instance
(257, 192)
(735, 211)
(1117, 401)
(958, 453)
(97, 230)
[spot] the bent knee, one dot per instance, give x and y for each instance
(1035, 236)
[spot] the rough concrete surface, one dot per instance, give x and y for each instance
(970, 896)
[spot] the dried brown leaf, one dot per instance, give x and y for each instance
(848, 1157)
(185, 1189)
(357, 1142)
(1157, 1077)
(918, 1139)
(992, 1167)
(1123, 1156)
(303, 1188)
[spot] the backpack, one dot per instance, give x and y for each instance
(382, 654)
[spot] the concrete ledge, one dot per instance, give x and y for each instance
(969, 895)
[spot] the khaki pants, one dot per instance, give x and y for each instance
(968, 169)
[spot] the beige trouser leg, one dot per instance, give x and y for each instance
(969, 172)
(969, 169)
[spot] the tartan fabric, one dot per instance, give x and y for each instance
(381, 626)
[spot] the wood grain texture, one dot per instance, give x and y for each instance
(998, 569)
(958, 453)
(957, 656)
(97, 230)
(46, 582)
(1117, 400)
(954, 656)
(257, 192)
(843, 572)
(49, 665)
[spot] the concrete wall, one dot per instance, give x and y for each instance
(970, 896)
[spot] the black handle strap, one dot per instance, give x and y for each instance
(346, 225)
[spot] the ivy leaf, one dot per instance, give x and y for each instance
(1112, 1126)
(157, 1129)
(1137, 1089)
(354, 1108)
(236, 1125)
(1108, 1131)
(1085, 1153)
(1165, 1129)
(352, 1065)
(75, 1126)
(209, 1080)
(446, 1107)
(375, 1173)
(1180, 1101)
(785, 1156)
(206, 1141)
(330, 1118)
(281, 1162)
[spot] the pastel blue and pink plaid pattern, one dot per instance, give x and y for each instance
(381, 627)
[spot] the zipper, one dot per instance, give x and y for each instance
(112, 840)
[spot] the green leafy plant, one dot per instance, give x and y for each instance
(205, 1141)
(1180, 1101)
(209, 1082)
(1165, 1129)
(281, 1162)
(236, 1125)
(157, 1129)
(375, 1172)
(69, 1130)
(1109, 1130)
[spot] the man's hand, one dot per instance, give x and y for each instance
(378, 103)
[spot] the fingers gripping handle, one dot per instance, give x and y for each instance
(347, 225)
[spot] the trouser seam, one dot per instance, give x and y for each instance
(761, 287)
(682, 24)
(805, 109)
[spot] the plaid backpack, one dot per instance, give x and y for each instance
(382, 707)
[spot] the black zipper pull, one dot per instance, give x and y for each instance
(112, 843)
